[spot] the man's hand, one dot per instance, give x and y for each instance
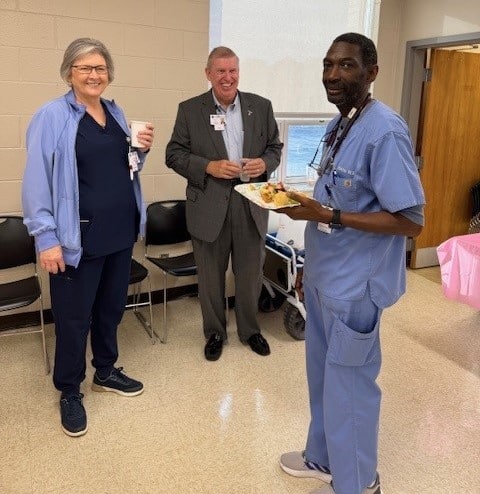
(309, 209)
(223, 169)
(254, 167)
(382, 222)
(52, 260)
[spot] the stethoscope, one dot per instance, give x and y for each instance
(332, 144)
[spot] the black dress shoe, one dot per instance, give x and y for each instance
(259, 344)
(214, 346)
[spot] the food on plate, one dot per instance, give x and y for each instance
(269, 190)
(270, 195)
(281, 199)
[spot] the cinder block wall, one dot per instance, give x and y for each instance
(159, 49)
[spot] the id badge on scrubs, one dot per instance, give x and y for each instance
(133, 161)
(324, 227)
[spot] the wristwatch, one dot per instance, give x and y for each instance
(336, 221)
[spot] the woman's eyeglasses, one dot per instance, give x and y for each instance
(87, 69)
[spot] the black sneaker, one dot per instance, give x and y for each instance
(74, 417)
(119, 383)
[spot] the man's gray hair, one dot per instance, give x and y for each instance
(220, 52)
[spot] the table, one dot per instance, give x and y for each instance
(459, 259)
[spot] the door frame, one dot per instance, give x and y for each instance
(413, 79)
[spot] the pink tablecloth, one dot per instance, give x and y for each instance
(459, 259)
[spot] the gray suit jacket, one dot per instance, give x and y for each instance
(194, 143)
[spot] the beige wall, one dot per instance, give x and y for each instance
(159, 48)
(408, 20)
(388, 40)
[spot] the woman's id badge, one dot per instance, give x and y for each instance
(133, 161)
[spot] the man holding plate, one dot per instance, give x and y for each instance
(367, 200)
(213, 134)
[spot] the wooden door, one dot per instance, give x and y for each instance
(450, 147)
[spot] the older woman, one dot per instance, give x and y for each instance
(83, 204)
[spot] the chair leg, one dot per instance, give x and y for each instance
(44, 343)
(164, 340)
(153, 335)
(147, 325)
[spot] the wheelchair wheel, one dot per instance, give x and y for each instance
(294, 322)
(267, 303)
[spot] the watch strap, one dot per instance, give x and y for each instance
(336, 221)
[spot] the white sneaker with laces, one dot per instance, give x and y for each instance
(294, 463)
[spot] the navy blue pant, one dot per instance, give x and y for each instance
(91, 297)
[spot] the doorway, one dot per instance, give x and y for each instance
(420, 100)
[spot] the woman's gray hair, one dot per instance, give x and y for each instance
(81, 47)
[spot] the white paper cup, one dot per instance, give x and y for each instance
(135, 127)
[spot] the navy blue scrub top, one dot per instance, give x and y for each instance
(109, 216)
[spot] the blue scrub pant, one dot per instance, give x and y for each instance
(91, 297)
(343, 359)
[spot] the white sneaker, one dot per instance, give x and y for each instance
(328, 489)
(294, 463)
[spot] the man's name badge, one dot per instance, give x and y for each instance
(324, 227)
(218, 121)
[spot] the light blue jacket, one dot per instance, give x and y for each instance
(50, 193)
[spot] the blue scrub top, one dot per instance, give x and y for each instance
(374, 170)
(109, 216)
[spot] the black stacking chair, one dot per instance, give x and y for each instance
(17, 249)
(166, 225)
(475, 191)
(138, 274)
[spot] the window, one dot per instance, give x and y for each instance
(281, 45)
(301, 137)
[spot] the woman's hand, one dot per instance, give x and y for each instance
(51, 260)
(145, 137)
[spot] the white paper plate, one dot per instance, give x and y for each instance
(252, 192)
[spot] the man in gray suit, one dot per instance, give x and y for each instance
(212, 133)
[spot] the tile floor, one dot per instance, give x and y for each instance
(219, 427)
